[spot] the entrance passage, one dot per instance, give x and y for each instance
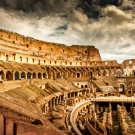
(78, 74)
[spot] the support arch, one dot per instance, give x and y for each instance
(16, 75)
(22, 75)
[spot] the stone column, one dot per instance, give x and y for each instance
(73, 94)
(19, 75)
(56, 100)
(110, 107)
(122, 103)
(60, 98)
(53, 103)
(51, 76)
(4, 75)
(13, 75)
(25, 75)
(50, 105)
(1, 124)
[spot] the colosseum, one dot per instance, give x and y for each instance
(53, 89)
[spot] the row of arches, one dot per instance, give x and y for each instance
(52, 73)
(9, 75)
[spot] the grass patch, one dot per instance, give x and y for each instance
(131, 117)
(38, 90)
(115, 120)
(116, 131)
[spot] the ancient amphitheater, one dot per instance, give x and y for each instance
(53, 89)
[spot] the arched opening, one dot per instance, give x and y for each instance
(90, 74)
(49, 75)
(58, 76)
(81, 86)
(37, 122)
(69, 75)
(119, 72)
(39, 76)
(28, 75)
(1, 75)
(78, 74)
(34, 75)
(64, 75)
(9, 75)
(22, 75)
(16, 75)
(74, 75)
(53, 75)
(44, 75)
(121, 88)
(104, 74)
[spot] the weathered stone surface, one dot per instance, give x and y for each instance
(56, 115)
(59, 124)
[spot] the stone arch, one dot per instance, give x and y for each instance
(49, 75)
(9, 75)
(45, 75)
(78, 74)
(54, 76)
(39, 76)
(28, 75)
(64, 75)
(2, 75)
(74, 74)
(22, 75)
(16, 75)
(118, 72)
(34, 75)
(69, 74)
(58, 75)
(85, 74)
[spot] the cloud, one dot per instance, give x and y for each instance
(111, 29)
(125, 46)
(116, 15)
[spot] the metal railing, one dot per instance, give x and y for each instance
(114, 100)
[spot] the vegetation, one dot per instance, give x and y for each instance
(131, 117)
(115, 120)
(116, 127)
(116, 130)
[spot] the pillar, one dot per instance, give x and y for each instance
(13, 75)
(19, 75)
(73, 94)
(132, 104)
(60, 98)
(56, 100)
(9, 127)
(53, 103)
(4, 75)
(1, 124)
(42, 76)
(122, 103)
(50, 105)
(25, 75)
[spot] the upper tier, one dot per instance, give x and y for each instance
(31, 46)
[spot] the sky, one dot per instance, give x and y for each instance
(109, 25)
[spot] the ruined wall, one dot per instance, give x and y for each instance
(27, 45)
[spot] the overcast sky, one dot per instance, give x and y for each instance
(107, 24)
